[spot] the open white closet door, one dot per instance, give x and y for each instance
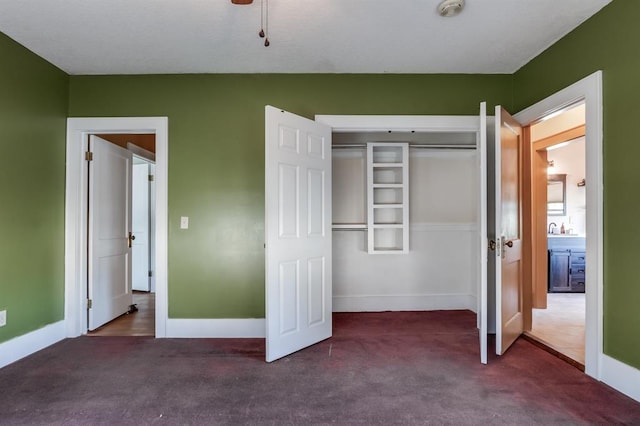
(508, 230)
(483, 240)
(109, 284)
(298, 232)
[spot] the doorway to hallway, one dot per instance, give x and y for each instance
(76, 221)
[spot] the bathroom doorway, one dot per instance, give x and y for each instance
(559, 164)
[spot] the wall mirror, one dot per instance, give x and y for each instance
(557, 195)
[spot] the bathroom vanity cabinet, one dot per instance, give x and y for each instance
(566, 264)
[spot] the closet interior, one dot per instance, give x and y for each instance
(406, 219)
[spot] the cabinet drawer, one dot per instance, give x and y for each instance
(577, 284)
(577, 270)
(577, 256)
(577, 287)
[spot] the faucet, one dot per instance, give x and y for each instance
(551, 226)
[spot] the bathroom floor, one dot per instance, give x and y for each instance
(561, 325)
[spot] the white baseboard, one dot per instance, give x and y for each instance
(216, 328)
(417, 302)
(22, 346)
(620, 376)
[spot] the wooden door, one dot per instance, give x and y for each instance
(298, 232)
(109, 284)
(508, 226)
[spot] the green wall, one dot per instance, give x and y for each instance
(609, 41)
(216, 159)
(33, 110)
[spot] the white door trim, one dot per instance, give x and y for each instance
(75, 273)
(588, 89)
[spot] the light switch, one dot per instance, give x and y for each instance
(184, 222)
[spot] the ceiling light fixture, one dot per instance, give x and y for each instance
(449, 8)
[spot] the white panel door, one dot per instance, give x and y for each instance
(140, 279)
(298, 232)
(508, 230)
(109, 226)
(483, 239)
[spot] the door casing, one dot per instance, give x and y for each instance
(76, 185)
(589, 89)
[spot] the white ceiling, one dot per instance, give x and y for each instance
(307, 36)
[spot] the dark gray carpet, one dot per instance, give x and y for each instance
(379, 368)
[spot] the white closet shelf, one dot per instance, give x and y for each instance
(388, 197)
(387, 165)
(387, 185)
(388, 206)
(349, 226)
(388, 250)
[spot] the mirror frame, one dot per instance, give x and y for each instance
(562, 179)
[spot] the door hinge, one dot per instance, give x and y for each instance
(151, 178)
(88, 156)
(89, 303)
(150, 274)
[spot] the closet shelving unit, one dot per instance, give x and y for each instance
(388, 197)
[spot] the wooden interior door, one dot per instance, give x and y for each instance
(109, 283)
(298, 232)
(508, 217)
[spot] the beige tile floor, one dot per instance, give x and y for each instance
(561, 325)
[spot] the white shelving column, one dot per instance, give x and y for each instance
(388, 197)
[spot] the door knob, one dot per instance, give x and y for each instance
(130, 239)
(509, 244)
(492, 245)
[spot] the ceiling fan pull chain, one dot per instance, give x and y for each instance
(266, 23)
(261, 33)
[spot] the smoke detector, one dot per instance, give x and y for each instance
(448, 8)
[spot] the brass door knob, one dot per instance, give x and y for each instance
(509, 243)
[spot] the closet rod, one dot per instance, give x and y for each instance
(411, 145)
(418, 146)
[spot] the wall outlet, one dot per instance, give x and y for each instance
(3, 318)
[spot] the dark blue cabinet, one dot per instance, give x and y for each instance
(567, 264)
